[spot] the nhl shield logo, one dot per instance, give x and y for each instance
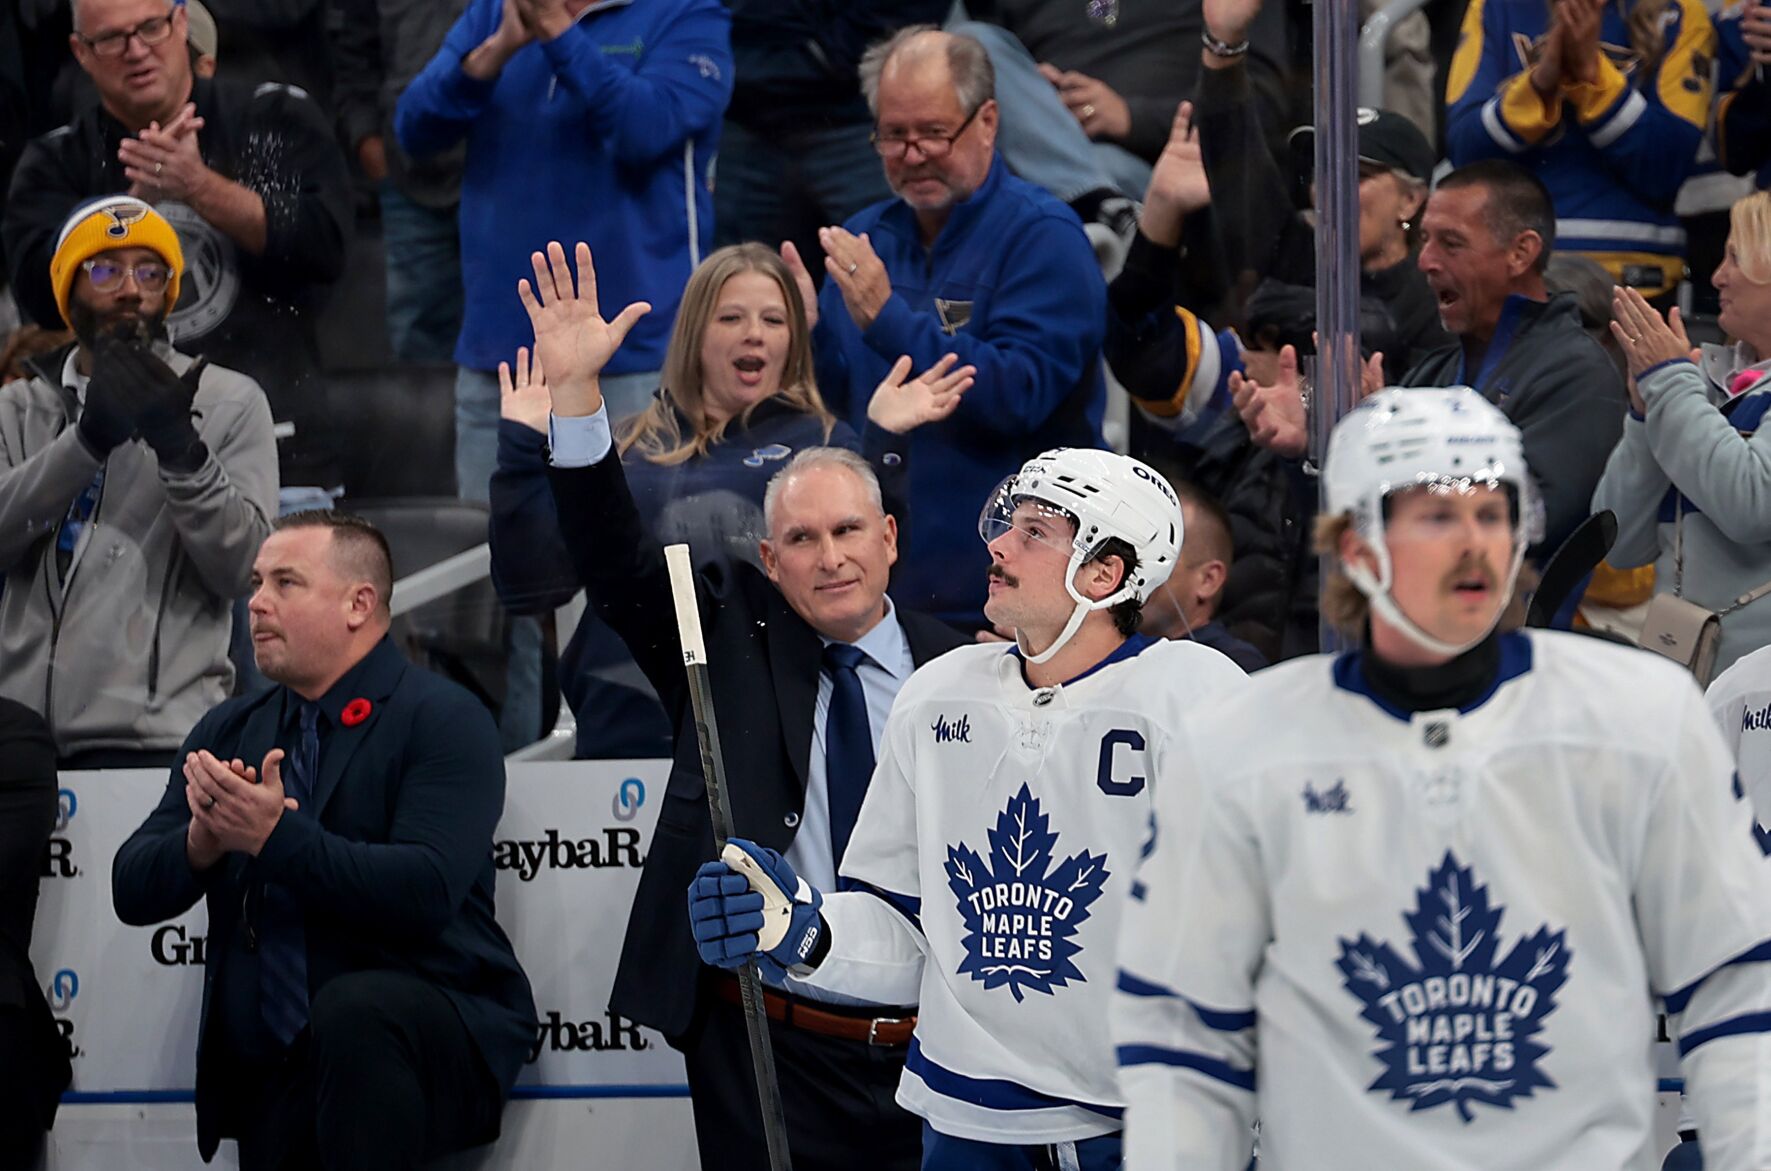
(1457, 1024)
(1021, 912)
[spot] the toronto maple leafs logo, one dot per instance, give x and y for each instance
(1021, 913)
(1456, 1025)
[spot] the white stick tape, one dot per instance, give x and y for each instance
(688, 614)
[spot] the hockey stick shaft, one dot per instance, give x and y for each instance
(713, 768)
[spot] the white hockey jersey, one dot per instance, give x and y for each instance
(1434, 940)
(1740, 700)
(993, 854)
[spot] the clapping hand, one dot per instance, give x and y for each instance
(859, 273)
(1228, 20)
(1274, 415)
(233, 807)
(901, 403)
(1178, 185)
(572, 340)
(524, 398)
(1755, 28)
(164, 162)
(1647, 340)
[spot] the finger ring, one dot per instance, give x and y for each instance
(852, 267)
(1088, 111)
(158, 167)
(209, 804)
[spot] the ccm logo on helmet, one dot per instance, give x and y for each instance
(1144, 473)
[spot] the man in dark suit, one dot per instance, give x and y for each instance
(805, 658)
(34, 1069)
(361, 1006)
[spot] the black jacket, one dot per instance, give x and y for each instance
(254, 314)
(27, 817)
(393, 868)
(1560, 389)
(763, 660)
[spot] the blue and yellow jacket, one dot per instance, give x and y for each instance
(1743, 111)
(1614, 152)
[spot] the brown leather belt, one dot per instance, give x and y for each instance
(797, 1013)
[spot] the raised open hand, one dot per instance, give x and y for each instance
(572, 341)
(1647, 340)
(1178, 186)
(802, 277)
(901, 403)
(524, 398)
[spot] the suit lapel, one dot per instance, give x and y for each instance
(793, 665)
(381, 674)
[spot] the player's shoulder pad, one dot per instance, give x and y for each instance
(970, 665)
(1628, 692)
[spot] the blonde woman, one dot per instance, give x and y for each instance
(737, 400)
(1690, 481)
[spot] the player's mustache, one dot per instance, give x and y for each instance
(1002, 575)
(1473, 565)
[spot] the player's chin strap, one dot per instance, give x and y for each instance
(1083, 608)
(1377, 592)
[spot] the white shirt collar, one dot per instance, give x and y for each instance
(885, 644)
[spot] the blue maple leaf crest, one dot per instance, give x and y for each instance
(1456, 1025)
(1021, 912)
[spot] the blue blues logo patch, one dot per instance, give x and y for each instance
(1021, 913)
(1457, 1025)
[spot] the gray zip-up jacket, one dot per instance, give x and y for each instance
(1715, 453)
(130, 648)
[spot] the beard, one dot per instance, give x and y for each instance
(122, 324)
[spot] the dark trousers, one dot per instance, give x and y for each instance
(838, 1096)
(385, 1077)
(33, 1073)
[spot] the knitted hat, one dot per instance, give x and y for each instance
(100, 225)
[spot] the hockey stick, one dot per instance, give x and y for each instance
(1570, 565)
(713, 767)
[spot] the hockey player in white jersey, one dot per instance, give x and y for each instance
(989, 866)
(1418, 909)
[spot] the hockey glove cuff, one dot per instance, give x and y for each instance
(751, 904)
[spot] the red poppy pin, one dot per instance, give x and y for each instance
(355, 712)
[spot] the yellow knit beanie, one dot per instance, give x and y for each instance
(116, 221)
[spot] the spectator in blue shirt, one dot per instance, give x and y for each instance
(581, 118)
(970, 259)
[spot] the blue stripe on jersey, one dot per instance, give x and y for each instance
(910, 908)
(1211, 1018)
(1212, 1067)
(1677, 1000)
(990, 1093)
(1515, 660)
(1755, 1022)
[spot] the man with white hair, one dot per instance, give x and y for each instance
(988, 873)
(1422, 906)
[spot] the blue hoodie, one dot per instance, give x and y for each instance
(1011, 285)
(605, 134)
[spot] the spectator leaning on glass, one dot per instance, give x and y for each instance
(135, 487)
(250, 176)
(736, 402)
(580, 118)
(1692, 475)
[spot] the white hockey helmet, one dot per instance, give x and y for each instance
(1105, 495)
(1450, 440)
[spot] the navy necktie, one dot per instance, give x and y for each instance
(282, 959)
(848, 744)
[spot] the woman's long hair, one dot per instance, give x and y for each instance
(1647, 37)
(656, 433)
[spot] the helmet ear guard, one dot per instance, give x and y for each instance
(1105, 496)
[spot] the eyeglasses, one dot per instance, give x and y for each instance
(150, 275)
(932, 146)
(149, 32)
